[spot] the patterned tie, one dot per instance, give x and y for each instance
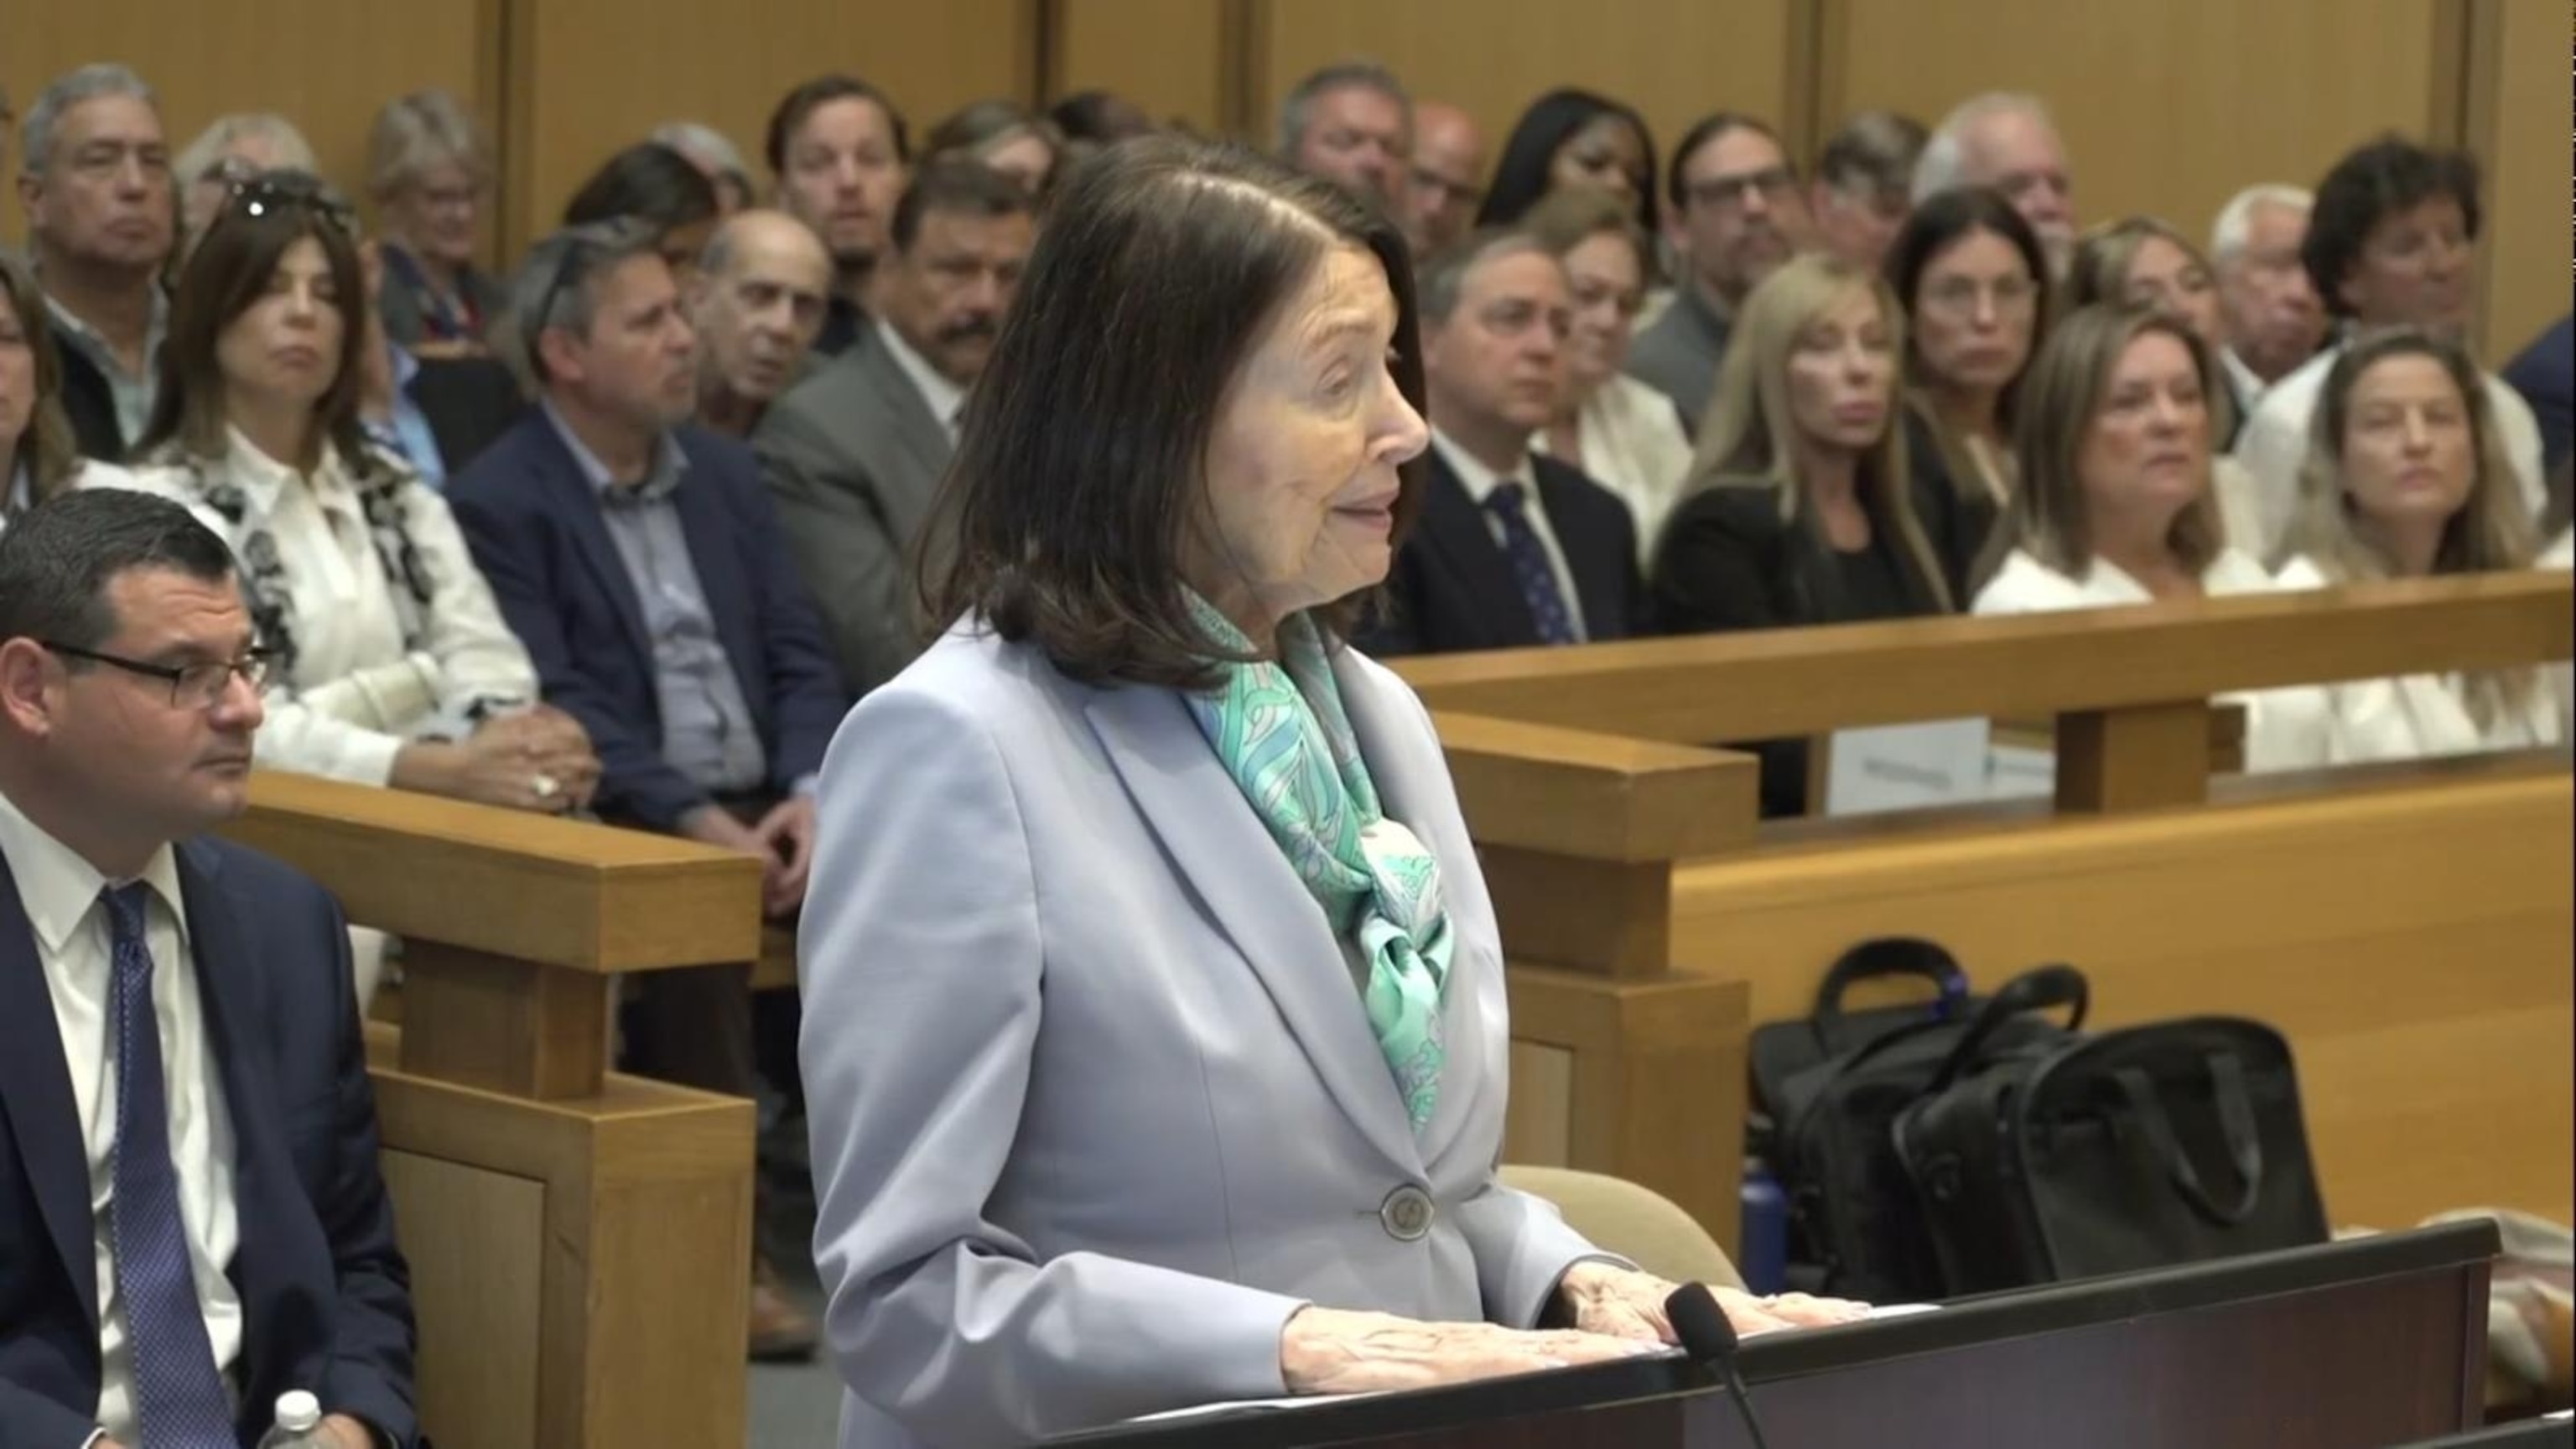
(1530, 568)
(179, 1395)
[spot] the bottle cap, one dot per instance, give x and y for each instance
(298, 1412)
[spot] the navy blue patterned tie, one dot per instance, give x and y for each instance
(179, 1397)
(1530, 566)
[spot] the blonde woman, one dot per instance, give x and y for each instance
(2407, 478)
(429, 175)
(2141, 262)
(1800, 510)
(1621, 433)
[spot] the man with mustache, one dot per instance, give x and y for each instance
(757, 302)
(853, 454)
(1737, 213)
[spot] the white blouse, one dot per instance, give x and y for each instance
(1631, 440)
(357, 695)
(2408, 717)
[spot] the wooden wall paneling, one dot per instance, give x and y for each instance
(2167, 108)
(2519, 121)
(323, 64)
(599, 74)
(1674, 60)
(1167, 56)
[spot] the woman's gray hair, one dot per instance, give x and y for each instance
(706, 146)
(294, 153)
(415, 132)
(68, 90)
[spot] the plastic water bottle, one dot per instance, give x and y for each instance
(1762, 1250)
(299, 1423)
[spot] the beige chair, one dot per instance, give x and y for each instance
(1635, 1222)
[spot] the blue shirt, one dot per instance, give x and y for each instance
(409, 433)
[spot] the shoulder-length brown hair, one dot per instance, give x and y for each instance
(227, 274)
(47, 446)
(2099, 274)
(2063, 394)
(1082, 469)
(1751, 422)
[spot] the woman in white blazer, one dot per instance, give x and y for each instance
(1623, 434)
(1155, 1034)
(2408, 477)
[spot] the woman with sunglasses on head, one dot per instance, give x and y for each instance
(388, 663)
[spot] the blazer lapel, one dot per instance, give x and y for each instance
(230, 991)
(36, 1092)
(1593, 561)
(709, 531)
(1454, 528)
(578, 503)
(1254, 897)
(922, 438)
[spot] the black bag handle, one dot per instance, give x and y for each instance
(2037, 989)
(2235, 1123)
(1893, 956)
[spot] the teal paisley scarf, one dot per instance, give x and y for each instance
(1281, 732)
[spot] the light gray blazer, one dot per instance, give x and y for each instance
(853, 458)
(1095, 1106)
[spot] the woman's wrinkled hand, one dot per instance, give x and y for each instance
(1335, 1351)
(1624, 1303)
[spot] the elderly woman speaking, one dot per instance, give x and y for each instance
(1154, 1024)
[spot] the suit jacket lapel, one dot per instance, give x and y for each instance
(923, 438)
(36, 1092)
(230, 991)
(1454, 528)
(1594, 564)
(709, 529)
(1254, 897)
(579, 505)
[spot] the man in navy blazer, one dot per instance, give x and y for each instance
(182, 1079)
(1511, 549)
(637, 558)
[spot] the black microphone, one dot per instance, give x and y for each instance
(1709, 1339)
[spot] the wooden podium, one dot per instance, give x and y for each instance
(2349, 1345)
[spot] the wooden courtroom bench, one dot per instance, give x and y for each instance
(2409, 928)
(580, 1241)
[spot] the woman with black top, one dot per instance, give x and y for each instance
(1800, 510)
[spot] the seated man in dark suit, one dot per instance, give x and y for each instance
(191, 1213)
(636, 556)
(1510, 549)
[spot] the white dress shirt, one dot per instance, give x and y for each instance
(1480, 483)
(356, 697)
(2244, 384)
(1631, 441)
(945, 399)
(61, 890)
(2406, 717)
(2274, 446)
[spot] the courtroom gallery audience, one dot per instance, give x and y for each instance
(1005, 136)
(757, 306)
(1800, 510)
(430, 176)
(195, 1212)
(2114, 504)
(1617, 431)
(1974, 284)
(1573, 138)
(1737, 214)
(2391, 243)
(652, 184)
(100, 218)
(1511, 549)
(854, 456)
(1447, 181)
(1864, 185)
(38, 456)
(233, 148)
(1055, 1090)
(2406, 479)
(839, 151)
(435, 412)
(714, 153)
(2007, 142)
(1351, 124)
(638, 559)
(389, 664)
(2274, 322)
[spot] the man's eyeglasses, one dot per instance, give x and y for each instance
(1774, 184)
(266, 193)
(192, 686)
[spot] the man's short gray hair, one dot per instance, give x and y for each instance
(294, 153)
(2236, 218)
(1442, 276)
(1945, 156)
(1297, 112)
(88, 83)
(558, 286)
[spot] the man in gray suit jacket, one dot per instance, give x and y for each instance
(854, 453)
